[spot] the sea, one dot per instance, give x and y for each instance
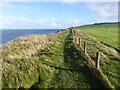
(9, 34)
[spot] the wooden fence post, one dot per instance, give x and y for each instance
(80, 42)
(97, 60)
(85, 45)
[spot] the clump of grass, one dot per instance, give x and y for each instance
(19, 56)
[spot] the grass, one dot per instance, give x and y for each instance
(52, 61)
(70, 70)
(109, 63)
(111, 70)
(20, 60)
(78, 74)
(106, 33)
(60, 66)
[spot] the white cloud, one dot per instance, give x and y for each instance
(28, 7)
(16, 0)
(12, 5)
(70, 22)
(58, 0)
(104, 9)
(53, 22)
(6, 5)
(69, 1)
(29, 23)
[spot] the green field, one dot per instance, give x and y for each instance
(106, 33)
(104, 38)
(53, 61)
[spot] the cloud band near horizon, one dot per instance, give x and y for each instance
(78, 14)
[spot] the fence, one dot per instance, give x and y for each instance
(94, 67)
(78, 41)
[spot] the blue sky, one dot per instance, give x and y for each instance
(45, 15)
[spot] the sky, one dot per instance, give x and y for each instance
(55, 15)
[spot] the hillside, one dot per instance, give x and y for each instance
(104, 38)
(59, 61)
(106, 33)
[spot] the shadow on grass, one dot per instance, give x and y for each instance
(76, 62)
(72, 58)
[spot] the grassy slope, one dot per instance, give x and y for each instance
(70, 70)
(76, 73)
(20, 60)
(108, 34)
(59, 63)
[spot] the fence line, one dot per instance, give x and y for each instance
(94, 67)
(97, 59)
(78, 41)
(85, 47)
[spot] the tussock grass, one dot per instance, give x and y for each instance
(20, 60)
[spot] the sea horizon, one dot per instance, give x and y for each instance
(11, 34)
(29, 29)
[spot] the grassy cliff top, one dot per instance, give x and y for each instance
(52, 60)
